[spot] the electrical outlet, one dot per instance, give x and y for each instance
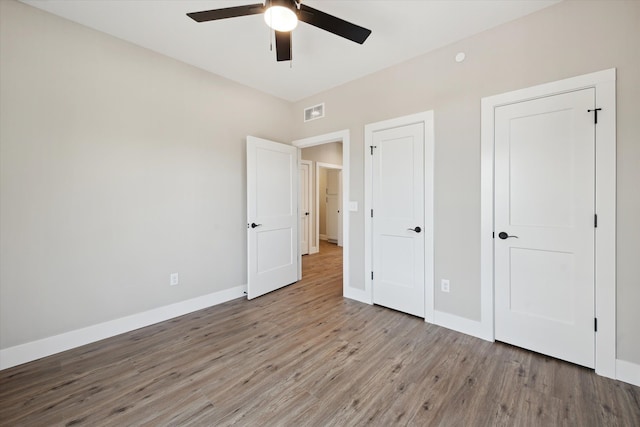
(174, 279)
(444, 285)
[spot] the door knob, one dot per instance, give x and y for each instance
(254, 225)
(306, 213)
(417, 229)
(504, 235)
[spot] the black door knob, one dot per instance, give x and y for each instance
(504, 235)
(417, 229)
(254, 225)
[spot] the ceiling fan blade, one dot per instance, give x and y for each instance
(227, 12)
(283, 46)
(332, 24)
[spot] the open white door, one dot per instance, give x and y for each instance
(272, 216)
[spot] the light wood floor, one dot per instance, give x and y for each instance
(302, 356)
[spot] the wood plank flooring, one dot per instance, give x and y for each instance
(304, 356)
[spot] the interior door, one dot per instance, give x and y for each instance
(333, 204)
(272, 216)
(544, 225)
(332, 218)
(398, 219)
(305, 206)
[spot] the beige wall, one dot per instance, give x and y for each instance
(569, 39)
(325, 153)
(118, 167)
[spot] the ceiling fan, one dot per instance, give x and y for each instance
(283, 16)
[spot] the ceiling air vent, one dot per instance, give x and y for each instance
(313, 113)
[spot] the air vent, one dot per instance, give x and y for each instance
(313, 113)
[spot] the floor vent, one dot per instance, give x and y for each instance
(313, 113)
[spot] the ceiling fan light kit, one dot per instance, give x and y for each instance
(283, 16)
(280, 18)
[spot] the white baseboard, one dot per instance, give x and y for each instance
(322, 237)
(460, 324)
(34, 350)
(357, 295)
(628, 372)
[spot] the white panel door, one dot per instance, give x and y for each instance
(272, 215)
(398, 219)
(332, 218)
(544, 225)
(305, 206)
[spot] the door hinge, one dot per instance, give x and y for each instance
(595, 324)
(595, 115)
(595, 221)
(493, 235)
(372, 147)
(372, 275)
(371, 213)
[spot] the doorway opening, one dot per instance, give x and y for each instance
(328, 158)
(321, 196)
(325, 207)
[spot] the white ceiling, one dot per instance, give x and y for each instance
(238, 48)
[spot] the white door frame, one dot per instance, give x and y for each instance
(342, 136)
(321, 165)
(426, 119)
(604, 83)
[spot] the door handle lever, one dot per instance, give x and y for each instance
(254, 225)
(504, 235)
(417, 229)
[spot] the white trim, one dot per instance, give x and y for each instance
(34, 350)
(604, 83)
(426, 118)
(344, 137)
(628, 372)
(359, 295)
(322, 237)
(459, 324)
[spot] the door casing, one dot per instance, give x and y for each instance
(426, 119)
(604, 83)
